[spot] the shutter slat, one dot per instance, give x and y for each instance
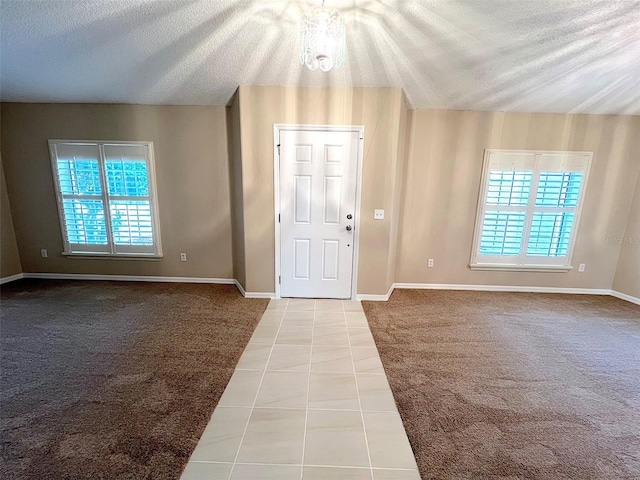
(502, 233)
(131, 222)
(559, 189)
(550, 234)
(85, 221)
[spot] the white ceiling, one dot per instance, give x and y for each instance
(502, 55)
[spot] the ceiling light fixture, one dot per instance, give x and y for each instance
(322, 39)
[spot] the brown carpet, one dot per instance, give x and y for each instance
(506, 385)
(107, 380)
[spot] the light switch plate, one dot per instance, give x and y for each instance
(378, 214)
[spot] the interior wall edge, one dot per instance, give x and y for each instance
(10, 260)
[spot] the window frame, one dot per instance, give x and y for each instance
(524, 262)
(110, 250)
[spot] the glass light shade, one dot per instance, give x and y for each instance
(322, 39)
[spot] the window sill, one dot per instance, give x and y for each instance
(112, 256)
(521, 268)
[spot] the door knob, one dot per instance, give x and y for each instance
(349, 217)
(349, 228)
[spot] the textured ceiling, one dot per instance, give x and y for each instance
(506, 55)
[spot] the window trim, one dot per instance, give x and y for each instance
(153, 200)
(545, 265)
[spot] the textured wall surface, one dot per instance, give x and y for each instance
(443, 181)
(545, 56)
(192, 172)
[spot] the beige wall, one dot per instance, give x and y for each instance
(215, 183)
(627, 279)
(443, 179)
(9, 257)
(379, 110)
(190, 146)
(235, 177)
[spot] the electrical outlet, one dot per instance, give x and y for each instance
(430, 263)
(378, 214)
(44, 253)
(183, 257)
(581, 267)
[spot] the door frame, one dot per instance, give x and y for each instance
(279, 127)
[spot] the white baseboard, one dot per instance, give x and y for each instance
(11, 278)
(252, 294)
(624, 296)
(503, 288)
(239, 287)
(129, 278)
(369, 297)
(140, 278)
(376, 298)
(259, 295)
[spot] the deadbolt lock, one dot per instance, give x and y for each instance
(349, 217)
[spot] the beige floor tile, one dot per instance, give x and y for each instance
(294, 335)
(265, 472)
(329, 319)
(367, 360)
(388, 443)
(375, 393)
(277, 304)
(242, 389)
(315, 354)
(335, 438)
(356, 319)
(330, 336)
(352, 306)
(361, 337)
(283, 390)
(221, 438)
(293, 358)
(385, 474)
(333, 391)
(272, 317)
(329, 306)
(206, 471)
(336, 473)
(298, 319)
(273, 436)
(264, 335)
(301, 304)
(255, 357)
(331, 358)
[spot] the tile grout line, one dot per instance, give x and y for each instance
(306, 407)
(353, 365)
(354, 467)
(255, 398)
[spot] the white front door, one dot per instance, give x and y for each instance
(318, 172)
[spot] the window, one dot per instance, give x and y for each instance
(106, 197)
(529, 210)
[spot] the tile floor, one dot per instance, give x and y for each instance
(309, 399)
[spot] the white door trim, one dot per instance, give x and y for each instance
(277, 128)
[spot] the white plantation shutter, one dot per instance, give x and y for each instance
(106, 197)
(127, 172)
(529, 209)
